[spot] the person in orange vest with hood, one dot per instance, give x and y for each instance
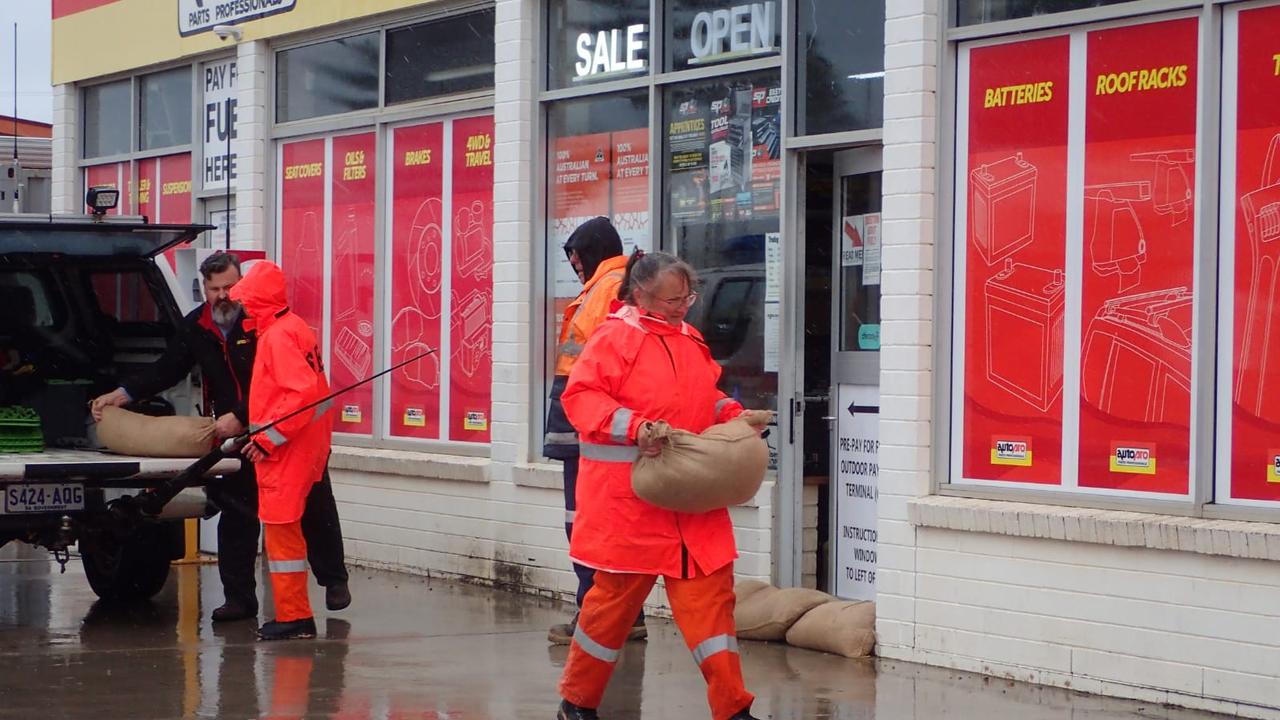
(645, 364)
(595, 253)
(291, 458)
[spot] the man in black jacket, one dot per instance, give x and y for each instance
(213, 336)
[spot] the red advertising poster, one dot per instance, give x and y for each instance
(352, 283)
(302, 229)
(417, 276)
(175, 188)
(630, 187)
(1255, 417)
(471, 296)
(1015, 260)
(111, 175)
(579, 192)
(146, 199)
(1139, 173)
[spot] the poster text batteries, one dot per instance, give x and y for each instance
(856, 490)
(417, 278)
(1139, 231)
(302, 178)
(1014, 260)
(218, 124)
(352, 339)
(629, 187)
(580, 187)
(1255, 375)
(471, 295)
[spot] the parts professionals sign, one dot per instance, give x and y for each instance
(197, 16)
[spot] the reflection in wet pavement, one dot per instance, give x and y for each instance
(410, 647)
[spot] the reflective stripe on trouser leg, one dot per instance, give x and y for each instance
(703, 609)
(606, 617)
(287, 561)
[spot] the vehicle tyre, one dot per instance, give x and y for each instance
(132, 569)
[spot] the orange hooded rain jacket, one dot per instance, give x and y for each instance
(639, 368)
(287, 374)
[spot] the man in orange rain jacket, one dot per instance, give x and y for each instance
(291, 457)
(646, 364)
(595, 252)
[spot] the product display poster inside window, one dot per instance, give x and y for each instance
(112, 175)
(302, 181)
(1014, 260)
(1251, 228)
(1138, 246)
(163, 192)
(471, 291)
(417, 278)
(352, 340)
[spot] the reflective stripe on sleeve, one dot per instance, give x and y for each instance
(287, 566)
(621, 423)
(569, 515)
(570, 348)
(610, 453)
(560, 438)
(720, 405)
(275, 437)
(593, 648)
(713, 645)
(324, 407)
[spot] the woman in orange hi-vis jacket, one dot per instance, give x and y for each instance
(642, 365)
(290, 457)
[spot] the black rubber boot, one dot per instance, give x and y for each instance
(337, 597)
(231, 612)
(292, 630)
(569, 711)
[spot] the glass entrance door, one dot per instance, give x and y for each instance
(854, 396)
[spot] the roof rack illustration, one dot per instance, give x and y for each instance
(1173, 189)
(1117, 244)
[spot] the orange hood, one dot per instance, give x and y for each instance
(263, 293)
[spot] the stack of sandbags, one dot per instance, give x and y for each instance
(175, 436)
(805, 618)
(721, 467)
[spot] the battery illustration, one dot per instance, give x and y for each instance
(1137, 357)
(1024, 332)
(1002, 207)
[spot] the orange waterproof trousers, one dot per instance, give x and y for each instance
(287, 561)
(703, 610)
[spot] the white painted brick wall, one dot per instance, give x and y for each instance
(253, 155)
(66, 191)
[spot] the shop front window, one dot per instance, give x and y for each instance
(839, 66)
(596, 40)
(106, 119)
(327, 78)
(722, 171)
(971, 12)
(707, 32)
(441, 57)
(164, 109)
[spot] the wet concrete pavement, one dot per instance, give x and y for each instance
(410, 647)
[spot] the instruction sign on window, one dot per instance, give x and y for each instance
(856, 491)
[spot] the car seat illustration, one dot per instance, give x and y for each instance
(1002, 207)
(1257, 378)
(1137, 357)
(1024, 328)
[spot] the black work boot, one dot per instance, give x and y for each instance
(337, 597)
(230, 612)
(292, 630)
(562, 634)
(569, 711)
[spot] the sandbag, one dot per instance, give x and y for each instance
(175, 436)
(721, 467)
(842, 627)
(747, 588)
(768, 613)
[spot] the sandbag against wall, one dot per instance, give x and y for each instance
(175, 436)
(842, 627)
(721, 467)
(767, 613)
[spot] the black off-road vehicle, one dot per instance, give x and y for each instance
(82, 304)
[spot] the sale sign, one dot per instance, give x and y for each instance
(1138, 242)
(471, 294)
(1255, 372)
(302, 180)
(417, 277)
(352, 281)
(1014, 259)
